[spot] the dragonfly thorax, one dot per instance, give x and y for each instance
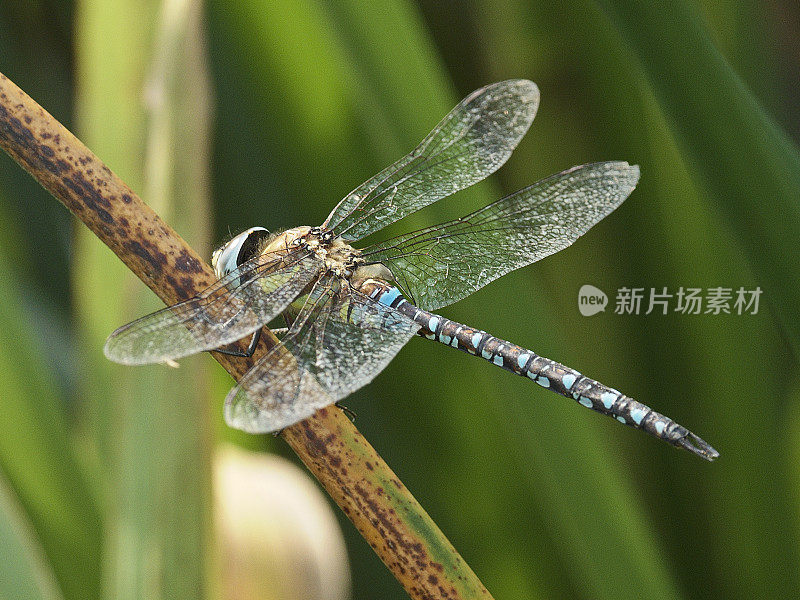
(288, 240)
(364, 274)
(336, 254)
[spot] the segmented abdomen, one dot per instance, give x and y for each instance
(545, 372)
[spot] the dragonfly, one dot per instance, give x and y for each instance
(350, 310)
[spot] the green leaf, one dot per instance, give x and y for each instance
(748, 165)
(144, 105)
(25, 573)
(36, 454)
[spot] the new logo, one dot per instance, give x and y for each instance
(591, 300)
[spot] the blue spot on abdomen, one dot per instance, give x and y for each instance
(608, 399)
(390, 296)
(433, 324)
(637, 414)
(476, 339)
(568, 380)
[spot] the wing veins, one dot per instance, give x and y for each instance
(372, 208)
(439, 263)
(469, 143)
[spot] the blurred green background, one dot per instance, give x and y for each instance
(239, 113)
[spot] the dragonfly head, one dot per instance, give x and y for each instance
(238, 250)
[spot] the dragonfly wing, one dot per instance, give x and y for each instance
(469, 144)
(229, 310)
(334, 347)
(445, 263)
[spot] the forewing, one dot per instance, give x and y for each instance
(445, 263)
(469, 144)
(334, 347)
(229, 310)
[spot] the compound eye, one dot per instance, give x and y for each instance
(252, 244)
(239, 250)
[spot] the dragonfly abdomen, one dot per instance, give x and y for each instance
(547, 373)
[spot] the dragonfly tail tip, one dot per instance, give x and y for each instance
(697, 445)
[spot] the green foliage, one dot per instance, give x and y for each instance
(24, 572)
(543, 498)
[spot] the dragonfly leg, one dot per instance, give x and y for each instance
(247, 353)
(350, 414)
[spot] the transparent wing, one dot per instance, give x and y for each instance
(469, 144)
(229, 310)
(445, 263)
(334, 347)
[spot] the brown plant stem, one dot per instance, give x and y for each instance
(370, 494)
